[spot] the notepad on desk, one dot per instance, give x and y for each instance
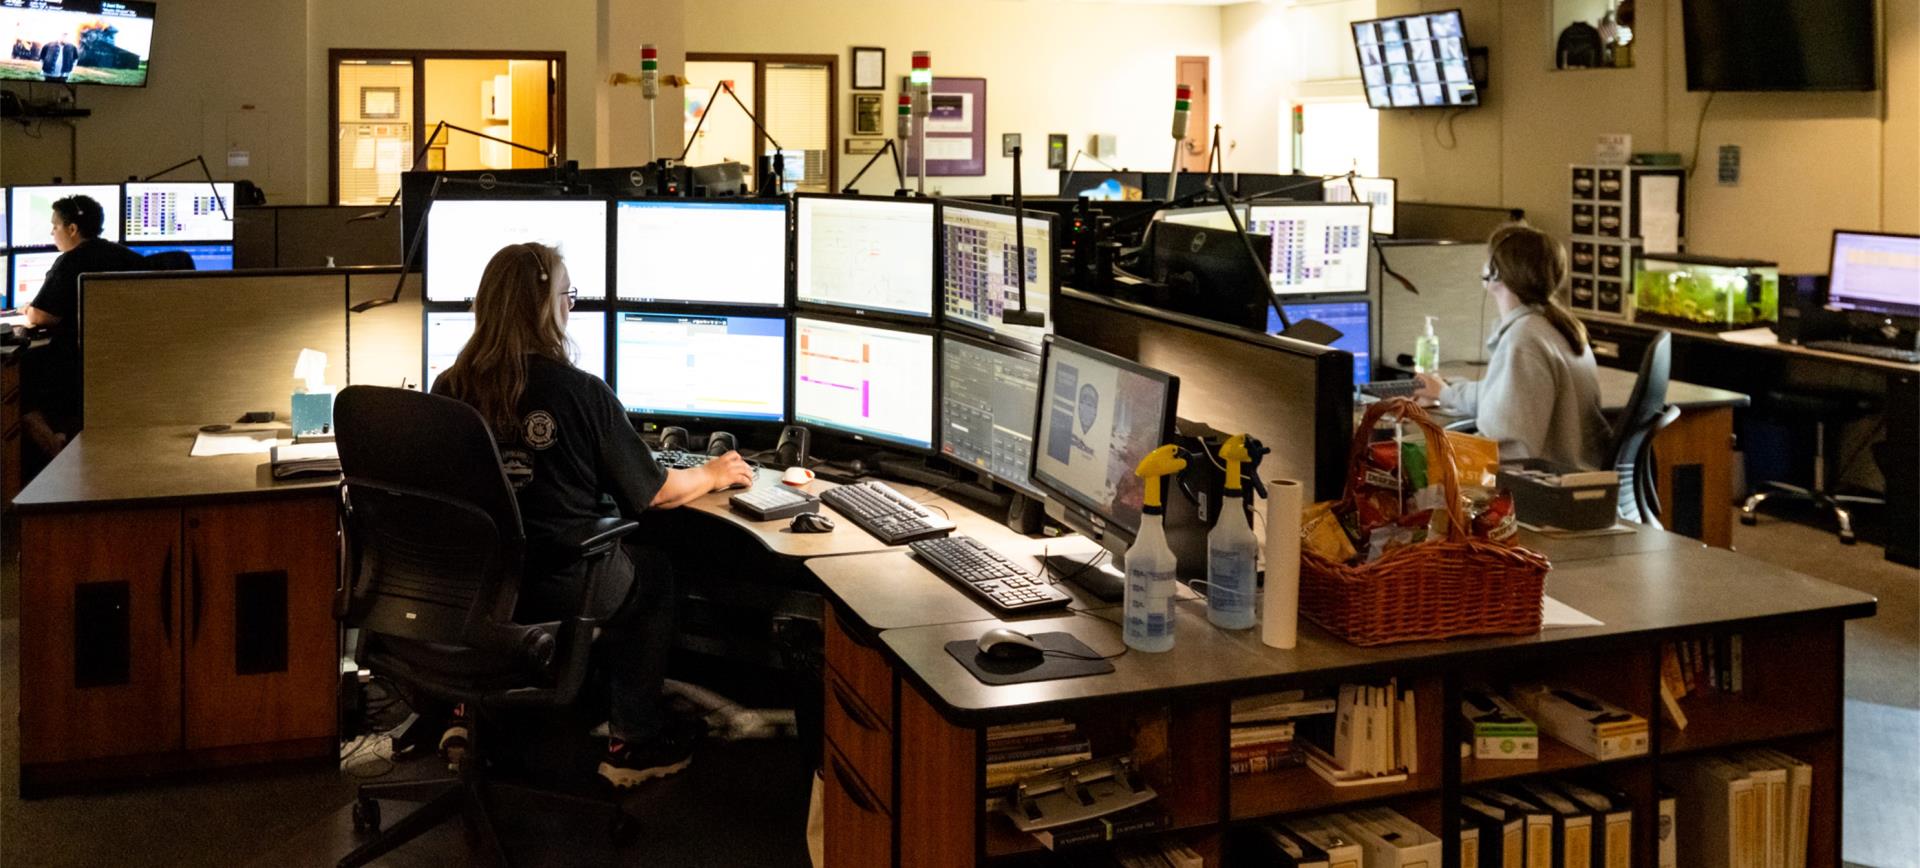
(305, 459)
(211, 443)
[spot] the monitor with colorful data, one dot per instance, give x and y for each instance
(980, 273)
(988, 395)
(869, 381)
(1317, 248)
(701, 366)
(178, 211)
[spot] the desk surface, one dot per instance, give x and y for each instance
(149, 466)
(1775, 347)
(1616, 386)
(846, 538)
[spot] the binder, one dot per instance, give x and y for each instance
(1666, 828)
(1346, 724)
(1469, 844)
(1799, 803)
(1612, 820)
(1502, 834)
(1390, 840)
(1292, 850)
(1716, 815)
(1341, 849)
(1572, 826)
(1770, 792)
(1536, 822)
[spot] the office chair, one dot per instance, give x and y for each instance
(1829, 409)
(431, 574)
(170, 260)
(1645, 415)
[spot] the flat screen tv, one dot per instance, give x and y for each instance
(1416, 61)
(1779, 44)
(76, 41)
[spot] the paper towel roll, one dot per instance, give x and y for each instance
(1280, 611)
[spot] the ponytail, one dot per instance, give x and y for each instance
(1532, 266)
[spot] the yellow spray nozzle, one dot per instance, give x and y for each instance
(1160, 462)
(1235, 453)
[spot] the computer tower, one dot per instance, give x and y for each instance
(1803, 310)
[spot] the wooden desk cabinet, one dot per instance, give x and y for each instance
(10, 430)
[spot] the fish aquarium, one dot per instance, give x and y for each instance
(1706, 291)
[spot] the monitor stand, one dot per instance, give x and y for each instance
(1105, 581)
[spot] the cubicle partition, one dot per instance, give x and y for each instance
(316, 236)
(1432, 221)
(1446, 275)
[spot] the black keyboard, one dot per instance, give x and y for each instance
(890, 516)
(987, 574)
(675, 459)
(1871, 351)
(1390, 388)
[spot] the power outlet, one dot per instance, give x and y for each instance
(1729, 165)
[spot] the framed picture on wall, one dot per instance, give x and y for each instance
(866, 114)
(869, 68)
(956, 128)
(380, 103)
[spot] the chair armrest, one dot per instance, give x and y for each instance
(1464, 426)
(593, 539)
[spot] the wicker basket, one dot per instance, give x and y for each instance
(1437, 589)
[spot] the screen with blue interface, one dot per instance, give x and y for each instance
(1318, 248)
(448, 331)
(982, 271)
(206, 257)
(179, 211)
(702, 365)
(702, 251)
(1101, 416)
(987, 401)
(1352, 318)
(865, 254)
(31, 211)
(870, 381)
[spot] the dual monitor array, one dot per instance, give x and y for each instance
(151, 217)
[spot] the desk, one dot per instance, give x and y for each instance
(905, 722)
(846, 538)
(176, 612)
(1693, 457)
(10, 430)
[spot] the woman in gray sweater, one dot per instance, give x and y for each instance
(1540, 397)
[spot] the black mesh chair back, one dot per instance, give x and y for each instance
(1639, 421)
(170, 260)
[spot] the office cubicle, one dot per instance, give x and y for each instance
(316, 236)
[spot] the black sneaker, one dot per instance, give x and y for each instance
(629, 765)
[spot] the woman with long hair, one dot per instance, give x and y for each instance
(1540, 397)
(566, 444)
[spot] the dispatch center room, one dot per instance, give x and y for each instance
(1011, 433)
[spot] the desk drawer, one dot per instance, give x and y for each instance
(862, 737)
(858, 831)
(864, 669)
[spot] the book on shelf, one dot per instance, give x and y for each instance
(1389, 839)
(1331, 772)
(1262, 734)
(1584, 722)
(1012, 772)
(1612, 814)
(1373, 731)
(1156, 854)
(1322, 832)
(1469, 844)
(1287, 705)
(1286, 848)
(1264, 758)
(1666, 830)
(1536, 825)
(1573, 831)
(1502, 834)
(1120, 825)
(1066, 745)
(1717, 813)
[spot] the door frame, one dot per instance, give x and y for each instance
(556, 101)
(760, 61)
(1204, 90)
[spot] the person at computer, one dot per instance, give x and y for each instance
(1540, 395)
(565, 443)
(50, 381)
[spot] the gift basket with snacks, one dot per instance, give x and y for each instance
(1409, 553)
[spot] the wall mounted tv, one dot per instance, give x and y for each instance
(1779, 44)
(1416, 61)
(76, 41)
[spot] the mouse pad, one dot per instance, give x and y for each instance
(1048, 668)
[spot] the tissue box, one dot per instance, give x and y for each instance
(312, 413)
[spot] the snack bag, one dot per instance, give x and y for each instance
(1472, 456)
(1322, 533)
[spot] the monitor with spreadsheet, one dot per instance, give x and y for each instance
(981, 275)
(1099, 415)
(988, 395)
(30, 211)
(448, 331)
(464, 234)
(171, 211)
(1353, 318)
(868, 255)
(702, 366)
(702, 251)
(29, 271)
(206, 257)
(1378, 192)
(1318, 248)
(870, 381)
(1875, 273)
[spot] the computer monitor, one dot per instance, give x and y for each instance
(464, 234)
(173, 211)
(29, 271)
(1875, 273)
(865, 255)
(988, 396)
(449, 330)
(31, 211)
(981, 273)
(1354, 319)
(6, 268)
(1208, 216)
(206, 257)
(702, 366)
(1103, 186)
(1206, 272)
(1317, 248)
(1378, 192)
(702, 251)
(870, 381)
(1099, 415)
(6, 227)
(1153, 185)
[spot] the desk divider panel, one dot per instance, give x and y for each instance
(1436, 222)
(179, 348)
(307, 235)
(1448, 277)
(385, 340)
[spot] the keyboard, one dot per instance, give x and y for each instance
(892, 517)
(676, 459)
(1871, 351)
(988, 575)
(774, 502)
(1384, 389)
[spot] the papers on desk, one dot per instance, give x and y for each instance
(305, 459)
(210, 443)
(19, 319)
(1554, 613)
(1760, 337)
(1619, 528)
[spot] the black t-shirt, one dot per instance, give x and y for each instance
(52, 381)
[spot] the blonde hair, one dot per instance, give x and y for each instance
(1533, 266)
(513, 318)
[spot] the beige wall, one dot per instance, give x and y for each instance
(1810, 162)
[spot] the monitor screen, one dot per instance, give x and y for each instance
(463, 235)
(1354, 319)
(77, 41)
(31, 211)
(702, 366)
(987, 399)
(1415, 61)
(1378, 192)
(702, 251)
(1207, 216)
(1317, 248)
(448, 332)
(1103, 186)
(1779, 45)
(29, 271)
(6, 268)
(6, 228)
(867, 254)
(873, 382)
(179, 211)
(1875, 273)
(206, 257)
(982, 275)
(1099, 416)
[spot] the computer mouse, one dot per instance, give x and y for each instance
(797, 476)
(1002, 643)
(811, 522)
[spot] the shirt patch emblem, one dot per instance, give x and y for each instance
(541, 432)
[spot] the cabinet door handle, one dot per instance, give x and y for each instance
(193, 561)
(166, 595)
(850, 786)
(851, 707)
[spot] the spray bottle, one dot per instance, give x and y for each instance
(1150, 562)
(1232, 552)
(1426, 351)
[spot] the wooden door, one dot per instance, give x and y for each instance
(100, 634)
(1192, 72)
(261, 653)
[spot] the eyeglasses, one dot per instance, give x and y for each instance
(573, 296)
